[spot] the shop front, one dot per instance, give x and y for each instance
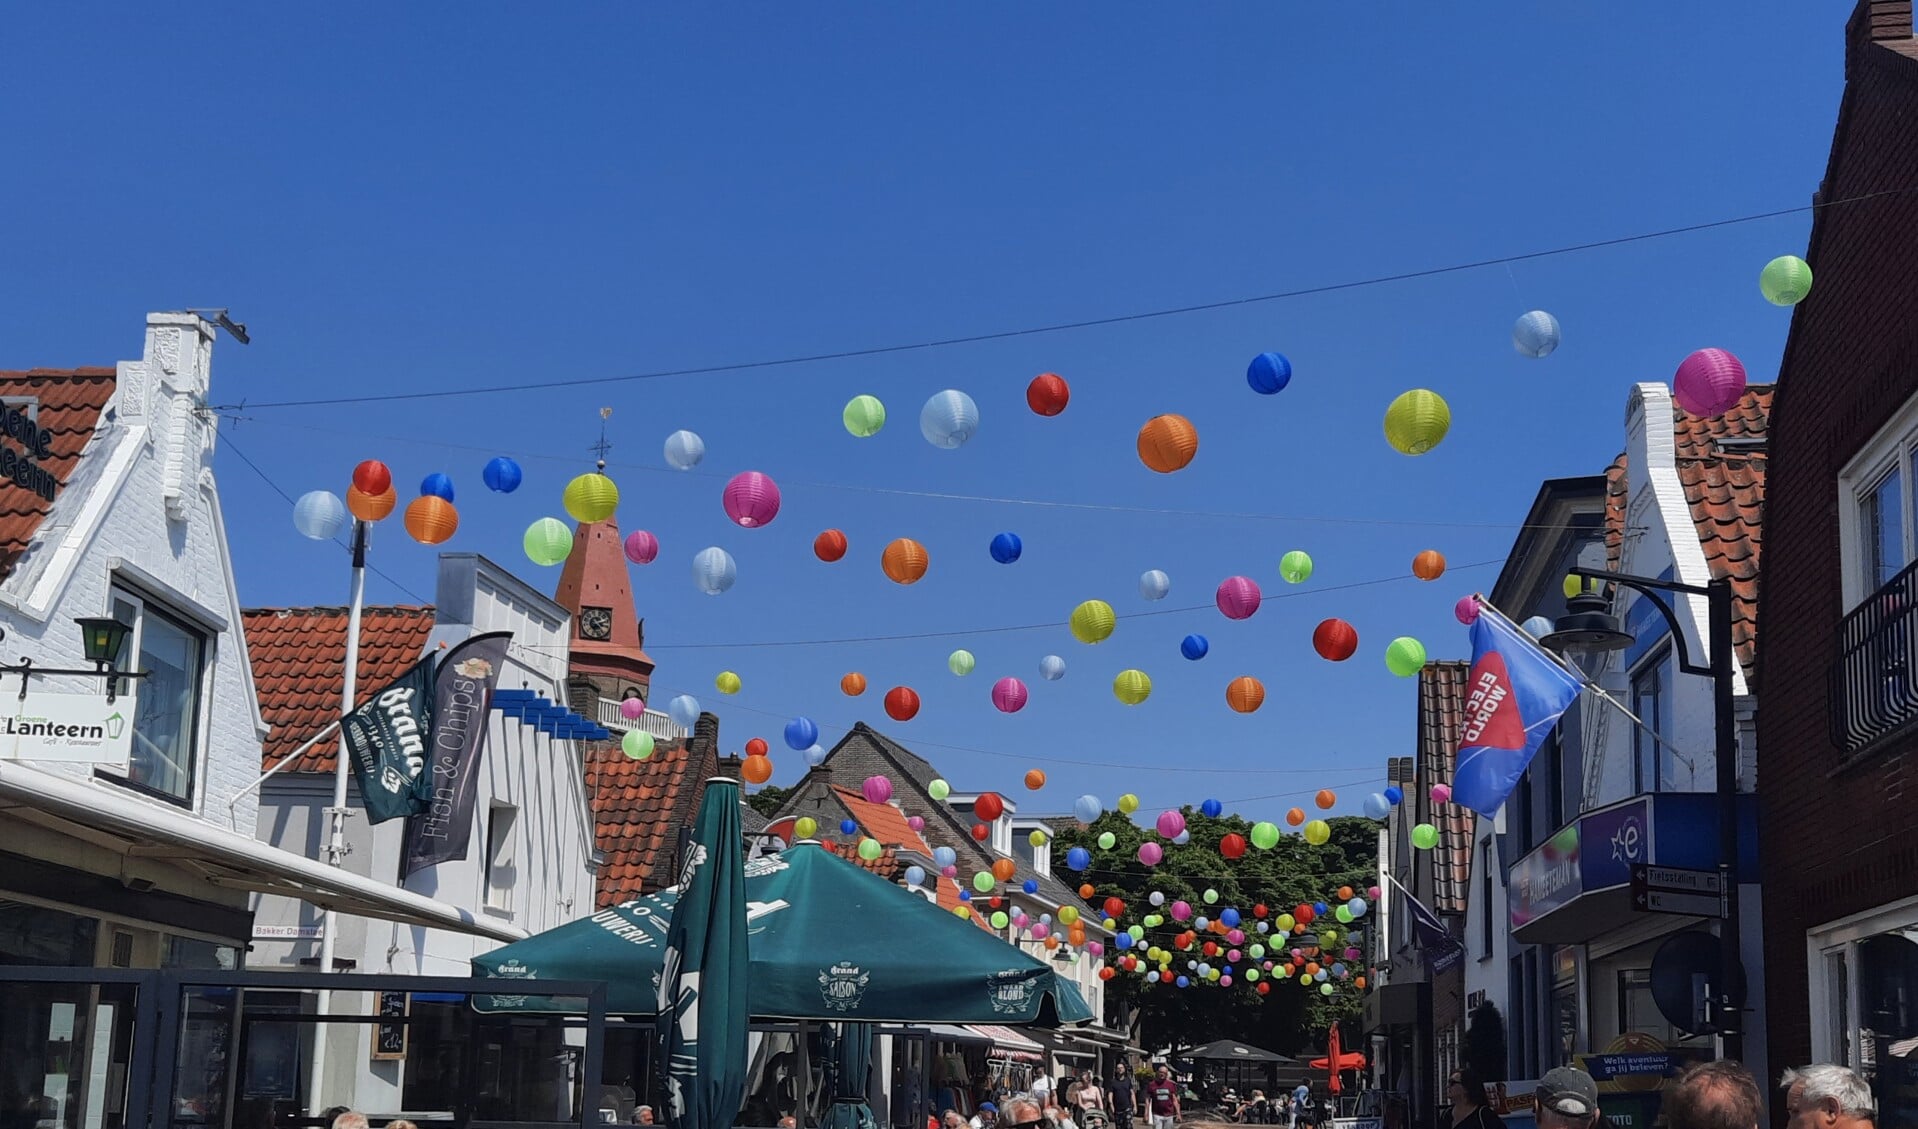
(1864, 1002)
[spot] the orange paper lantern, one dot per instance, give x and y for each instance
(1359, 983)
(1245, 694)
(1326, 798)
(905, 561)
(431, 519)
(757, 770)
(1167, 443)
(853, 684)
(1295, 817)
(371, 507)
(1052, 940)
(1004, 869)
(1429, 565)
(1086, 891)
(1035, 779)
(1345, 893)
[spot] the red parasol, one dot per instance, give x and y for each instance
(1347, 1060)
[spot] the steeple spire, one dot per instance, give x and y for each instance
(608, 639)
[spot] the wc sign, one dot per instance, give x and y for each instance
(75, 728)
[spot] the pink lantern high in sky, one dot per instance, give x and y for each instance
(751, 499)
(1238, 597)
(641, 547)
(877, 789)
(1709, 382)
(1009, 695)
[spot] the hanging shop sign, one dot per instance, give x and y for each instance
(21, 465)
(44, 725)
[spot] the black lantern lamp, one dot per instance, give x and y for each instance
(1588, 625)
(100, 640)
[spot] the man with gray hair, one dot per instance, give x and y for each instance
(1567, 1099)
(1826, 1096)
(1022, 1111)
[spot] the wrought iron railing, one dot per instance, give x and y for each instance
(1873, 695)
(652, 721)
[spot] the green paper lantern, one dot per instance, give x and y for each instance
(1153, 921)
(870, 850)
(637, 744)
(1265, 835)
(590, 498)
(864, 416)
(1317, 832)
(1132, 686)
(805, 827)
(1296, 567)
(1417, 421)
(1107, 840)
(1405, 656)
(548, 541)
(1325, 989)
(938, 789)
(1343, 914)
(1068, 914)
(999, 918)
(1093, 621)
(1256, 952)
(1251, 976)
(1137, 931)
(983, 881)
(961, 662)
(1785, 280)
(1424, 837)
(1211, 897)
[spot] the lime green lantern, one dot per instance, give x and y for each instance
(870, 850)
(1425, 836)
(864, 416)
(805, 827)
(999, 918)
(727, 682)
(1417, 421)
(938, 789)
(637, 744)
(983, 881)
(1265, 835)
(1296, 567)
(590, 498)
(961, 662)
(548, 541)
(1785, 280)
(1405, 656)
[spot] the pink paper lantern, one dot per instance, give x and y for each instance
(1171, 823)
(1095, 948)
(1040, 930)
(1441, 794)
(1235, 937)
(1009, 695)
(1238, 597)
(1225, 980)
(916, 822)
(1352, 954)
(1233, 955)
(751, 499)
(1372, 893)
(1150, 853)
(877, 789)
(1709, 382)
(948, 872)
(641, 547)
(632, 709)
(1466, 610)
(1181, 911)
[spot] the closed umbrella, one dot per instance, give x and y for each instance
(852, 1068)
(701, 998)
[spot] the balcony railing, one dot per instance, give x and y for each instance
(1873, 696)
(652, 721)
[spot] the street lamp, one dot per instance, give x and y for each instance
(1589, 626)
(100, 641)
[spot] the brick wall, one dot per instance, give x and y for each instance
(1836, 842)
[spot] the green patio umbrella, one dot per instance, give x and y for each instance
(702, 980)
(828, 941)
(852, 1069)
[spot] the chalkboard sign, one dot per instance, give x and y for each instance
(389, 1038)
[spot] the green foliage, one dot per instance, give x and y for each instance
(766, 801)
(1485, 1043)
(1288, 1019)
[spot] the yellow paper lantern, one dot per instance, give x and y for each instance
(1132, 686)
(590, 498)
(727, 682)
(805, 827)
(1093, 621)
(1417, 421)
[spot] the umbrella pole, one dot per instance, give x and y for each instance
(805, 1077)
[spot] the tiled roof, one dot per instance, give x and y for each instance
(886, 866)
(70, 403)
(639, 807)
(1441, 718)
(299, 663)
(887, 824)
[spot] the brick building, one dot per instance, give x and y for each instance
(1837, 729)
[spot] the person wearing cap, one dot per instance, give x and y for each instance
(1827, 1097)
(987, 1116)
(1567, 1099)
(1470, 1109)
(1714, 1095)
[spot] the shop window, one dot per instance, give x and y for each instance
(502, 856)
(204, 956)
(1638, 1012)
(1864, 981)
(436, 1040)
(31, 934)
(166, 720)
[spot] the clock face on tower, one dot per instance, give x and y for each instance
(595, 623)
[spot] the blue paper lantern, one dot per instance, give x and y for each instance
(915, 876)
(437, 485)
(847, 827)
(816, 756)
(1394, 794)
(319, 514)
(1538, 627)
(1535, 334)
(1377, 806)
(502, 475)
(684, 710)
(1052, 668)
(1356, 907)
(1182, 982)
(948, 419)
(1229, 918)
(1122, 940)
(1319, 908)
(965, 895)
(1212, 809)
(943, 857)
(1182, 838)
(1078, 858)
(1194, 647)
(1006, 548)
(801, 733)
(1030, 886)
(684, 450)
(1087, 808)
(1269, 373)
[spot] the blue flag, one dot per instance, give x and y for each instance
(1515, 695)
(1435, 942)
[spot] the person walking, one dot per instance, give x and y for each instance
(1714, 1095)
(1826, 1096)
(1567, 1099)
(1162, 1098)
(1123, 1099)
(1470, 1108)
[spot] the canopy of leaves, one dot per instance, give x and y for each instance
(766, 801)
(1290, 1018)
(1485, 1043)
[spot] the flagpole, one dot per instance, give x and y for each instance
(336, 835)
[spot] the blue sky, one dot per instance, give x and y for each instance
(397, 201)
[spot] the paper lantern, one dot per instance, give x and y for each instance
(948, 419)
(904, 561)
(713, 570)
(864, 416)
(1441, 794)
(1425, 836)
(989, 806)
(1335, 640)
(1294, 816)
(548, 541)
(829, 546)
(591, 498)
(502, 475)
(437, 485)
(1194, 647)
(1295, 567)
(1709, 382)
(1245, 694)
(1047, 394)
(938, 790)
(1785, 280)
(1232, 845)
(1265, 836)
(1417, 421)
(1429, 565)
(431, 519)
(684, 711)
(751, 499)
(1009, 695)
(371, 507)
(1093, 621)
(632, 709)
(1151, 853)
(757, 770)
(1237, 597)
(1535, 334)
(319, 514)
(1317, 832)
(1128, 803)
(1377, 807)
(801, 734)
(1087, 808)
(1269, 373)
(1132, 687)
(727, 682)
(1154, 585)
(1538, 627)
(1035, 779)
(805, 827)
(1167, 443)
(852, 684)
(1006, 547)
(372, 477)
(1052, 668)
(637, 744)
(961, 662)
(901, 703)
(1466, 610)
(876, 789)
(1326, 798)
(684, 450)
(1405, 656)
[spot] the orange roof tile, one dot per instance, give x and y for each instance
(639, 807)
(299, 663)
(887, 824)
(70, 403)
(1441, 718)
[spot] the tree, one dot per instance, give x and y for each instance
(1485, 1043)
(766, 801)
(1288, 1018)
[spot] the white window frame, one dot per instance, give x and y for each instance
(132, 688)
(502, 853)
(1890, 447)
(1663, 655)
(1843, 936)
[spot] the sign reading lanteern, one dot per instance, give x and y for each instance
(76, 728)
(36, 443)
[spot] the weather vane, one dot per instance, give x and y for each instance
(602, 446)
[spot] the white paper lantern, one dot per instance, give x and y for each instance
(1535, 334)
(949, 419)
(714, 570)
(1052, 668)
(1154, 585)
(319, 514)
(684, 710)
(684, 450)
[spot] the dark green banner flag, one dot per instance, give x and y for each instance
(386, 740)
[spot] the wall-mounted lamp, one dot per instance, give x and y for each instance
(100, 641)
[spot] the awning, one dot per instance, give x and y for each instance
(1007, 1043)
(227, 858)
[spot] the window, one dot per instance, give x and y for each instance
(502, 857)
(166, 719)
(1656, 765)
(1878, 529)
(1485, 898)
(1864, 997)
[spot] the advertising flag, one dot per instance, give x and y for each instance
(1440, 949)
(1514, 697)
(386, 740)
(462, 703)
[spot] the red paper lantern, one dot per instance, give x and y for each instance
(829, 546)
(1335, 640)
(756, 747)
(981, 832)
(1115, 907)
(1232, 846)
(988, 806)
(994, 901)
(1106, 972)
(1264, 988)
(1260, 911)
(901, 703)
(1047, 394)
(372, 477)
(1209, 949)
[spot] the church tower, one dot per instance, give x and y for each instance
(606, 656)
